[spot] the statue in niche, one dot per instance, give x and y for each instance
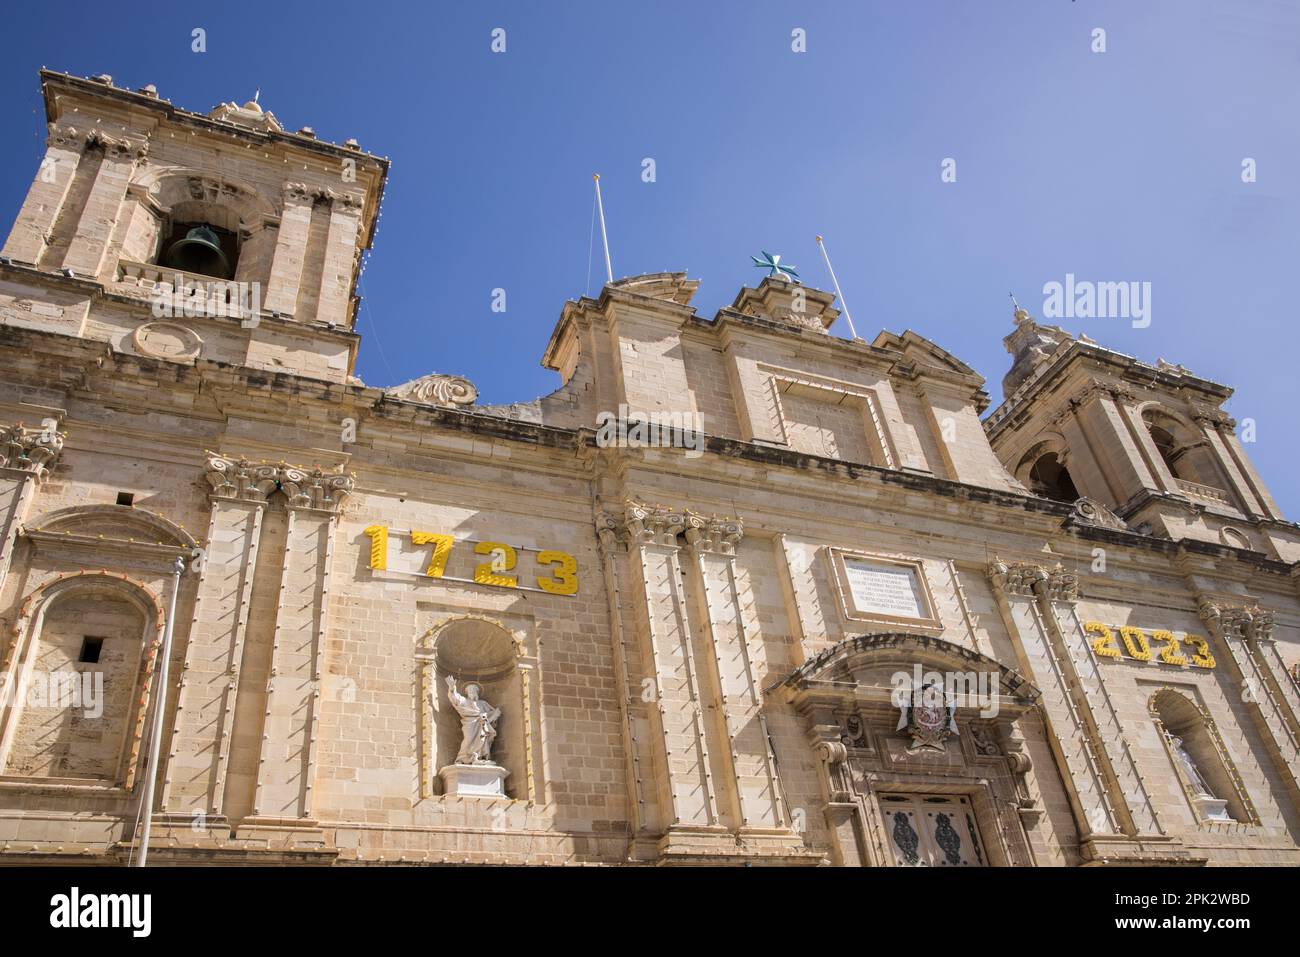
(477, 723)
(1193, 773)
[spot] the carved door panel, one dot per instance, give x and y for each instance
(932, 830)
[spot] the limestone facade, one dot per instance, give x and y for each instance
(712, 649)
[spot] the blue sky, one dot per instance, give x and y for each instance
(1115, 166)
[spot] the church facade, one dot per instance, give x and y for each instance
(738, 591)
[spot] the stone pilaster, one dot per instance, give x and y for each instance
(290, 249)
(25, 458)
(754, 792)
(1246, 633)
(339, 260)
(46, 196)
(1088, 777)
(200, 761)
(89, 246)
(687, 784)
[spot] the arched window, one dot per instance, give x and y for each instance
(1051, 479)
(202, 238)
(1199, 761)
(1184, 451)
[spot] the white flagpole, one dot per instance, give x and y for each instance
(843, 304)
(609, 270)
(159, 709)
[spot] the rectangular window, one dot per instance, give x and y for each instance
(90, 650)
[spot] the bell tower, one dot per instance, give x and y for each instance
(192, 236)
(1150, 443)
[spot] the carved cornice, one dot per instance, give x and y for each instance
(1214, 418)
(707, 533)
(115, 147)
(1237, 621)
(308, 193)
(248, 481)
(1028, 580)
(449, 391)
(31, 450)
(1093, 389)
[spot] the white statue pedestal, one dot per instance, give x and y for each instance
(1212, 808)
(474, 780)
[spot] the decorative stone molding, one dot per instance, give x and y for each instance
(1237, 621)
(1016, 578)
(207, 189)
(610, 529)
(1062, 585)
(839, 782)
(306, 193)
(984, 739)
(1214, 418)
(1099, 387)
(1088, 512)
(31, 450)
(712, 534)
(255, 481)
(66, 138)
(656, 524)
(1027, 580)
(117, 147)
(448, 391)
(167, 340)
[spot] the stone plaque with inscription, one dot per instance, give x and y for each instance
(884, 589)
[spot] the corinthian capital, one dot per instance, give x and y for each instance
(1237, 621)
(255, 481)
(31, 450)
(1023, 579)
(708, 533)
(653, 523)
(1061, 585)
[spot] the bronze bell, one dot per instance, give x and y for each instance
(200, 252)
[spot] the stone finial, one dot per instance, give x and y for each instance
(255, 481)
(31, 450)
(1031, 345)
(449, 391)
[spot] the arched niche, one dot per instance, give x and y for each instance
(1199, 761)
(83, 656)
(121, 523)
(483, 651)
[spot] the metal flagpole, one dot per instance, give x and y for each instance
(843, 304)
(609, 270)
(155, 745)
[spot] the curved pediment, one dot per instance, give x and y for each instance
(869, 660)
(121, 523)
